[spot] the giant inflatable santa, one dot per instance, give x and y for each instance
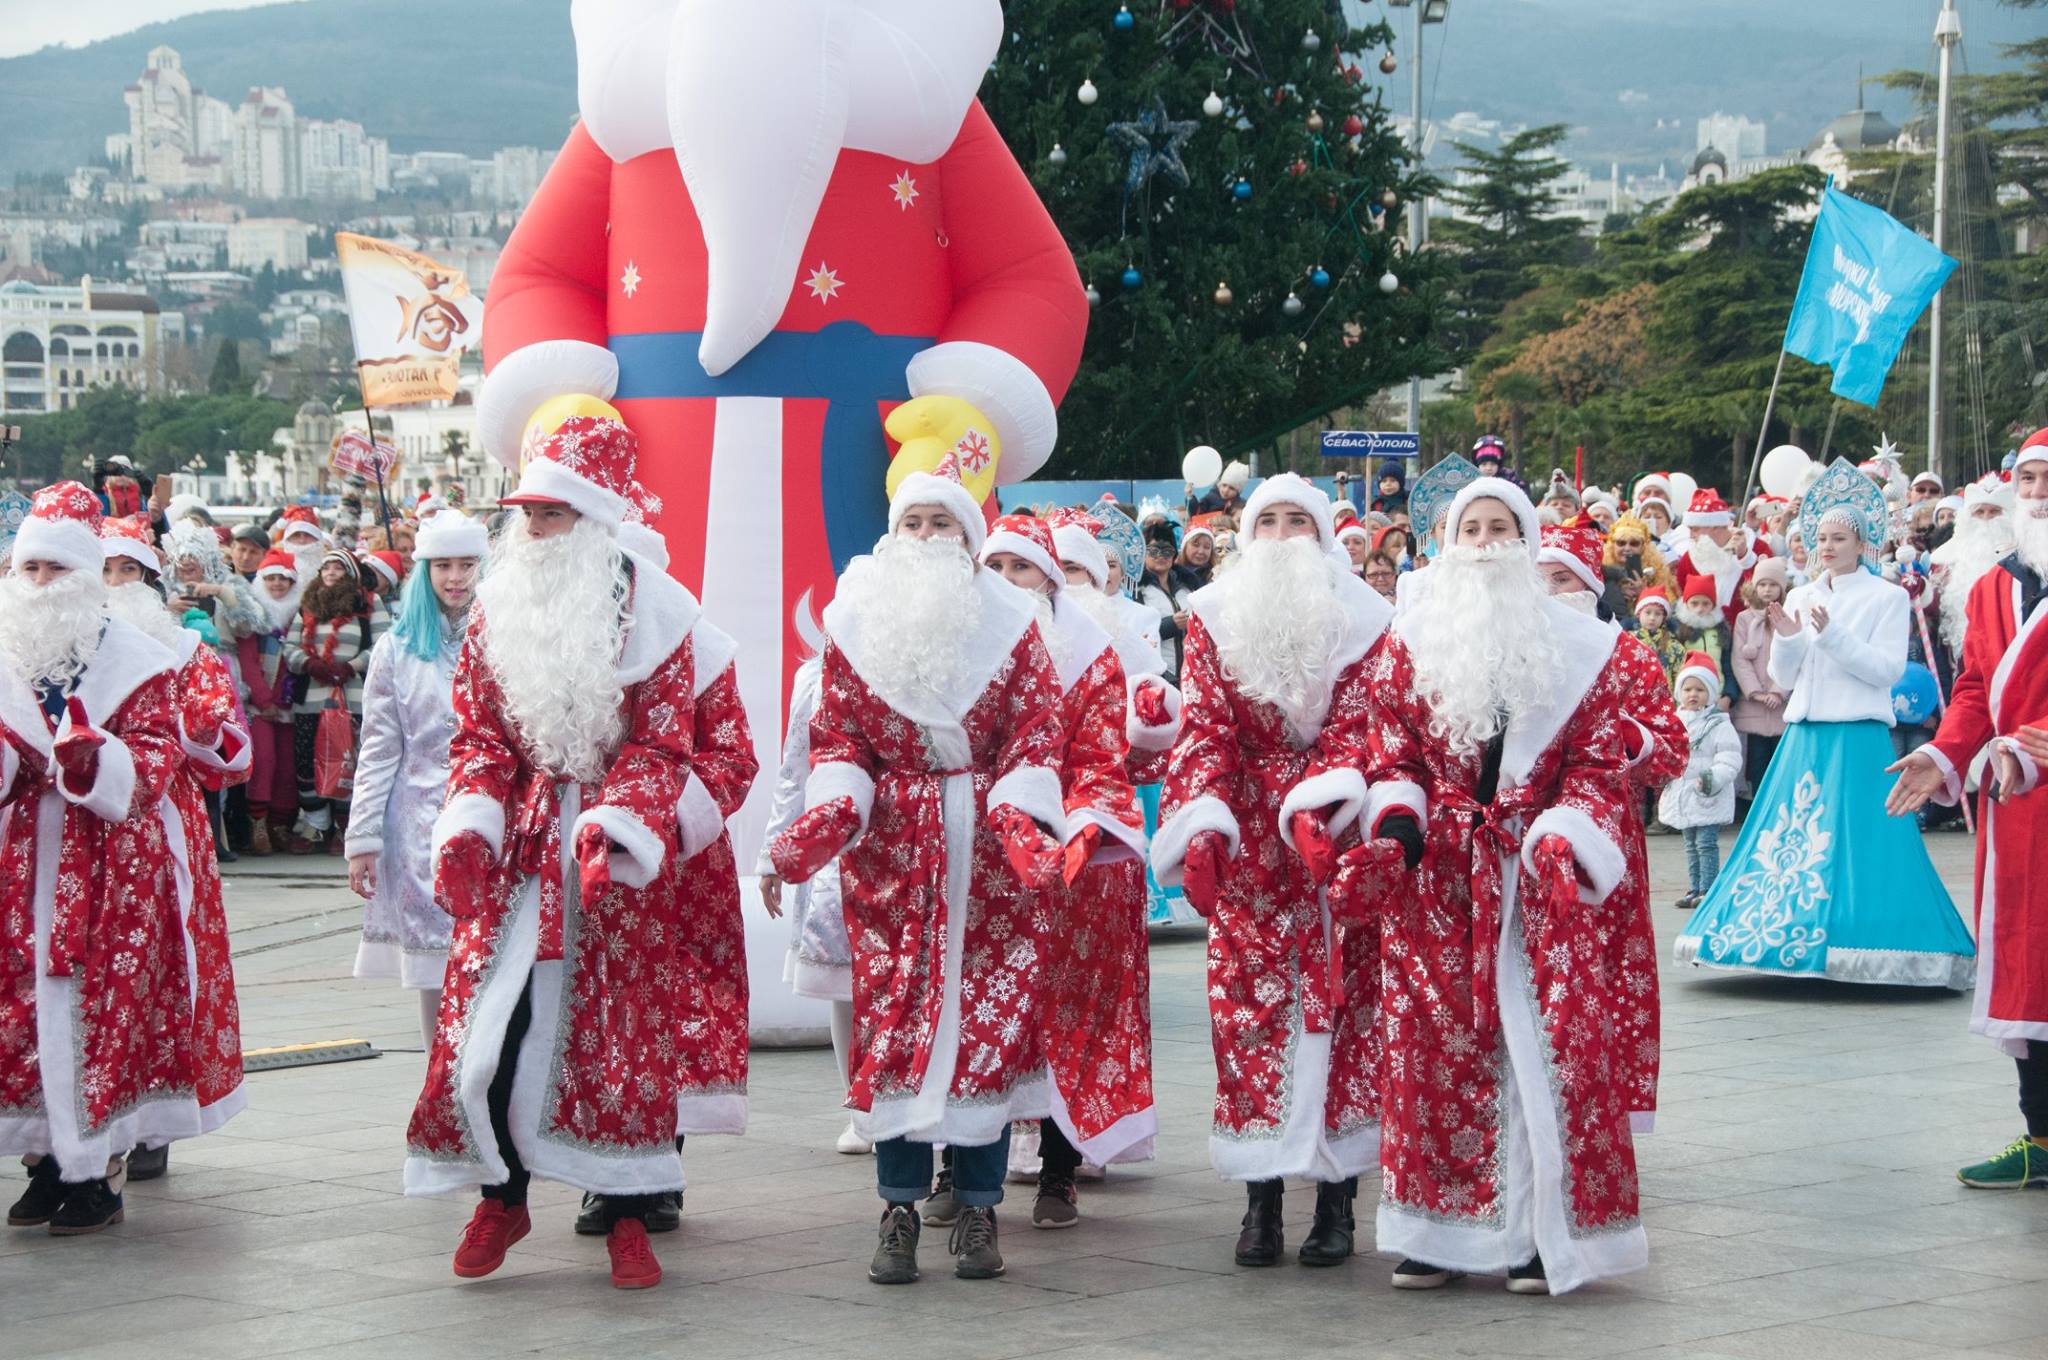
(778, 225)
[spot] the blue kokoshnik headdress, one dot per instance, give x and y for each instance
(1120, 534)
(1848, 496)
(1435, 489)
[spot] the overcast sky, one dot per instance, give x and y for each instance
(26, 25)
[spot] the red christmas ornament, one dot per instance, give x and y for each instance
(1298, 169)
(1354, 126)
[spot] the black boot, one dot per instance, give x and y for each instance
(593, 1220)
(87, 1208)
(1329, 1239)
(1262, 1240)
(146, 1164)
(37, 1203)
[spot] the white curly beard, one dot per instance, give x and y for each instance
(1708, 557)
(138, 604)
(1481, 644)
(554, 623)
(1975, 549)
(281, 614)
(1278, 625)
(48, 633)
(915, 605)
(1701, 620)
(2030, 534)
(1096, 606)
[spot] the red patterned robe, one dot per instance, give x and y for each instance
(1296, 1038)
(1655, 746)
(948, 947)
(95, 1002)
(2003, 687)
(1098, 1023)
(207, 705)
(1507, 1126)
(595, 1099)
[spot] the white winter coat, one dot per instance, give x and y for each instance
(1715, 755)
(1846, 673)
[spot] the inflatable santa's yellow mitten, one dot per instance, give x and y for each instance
(551, 415)
(929, 428)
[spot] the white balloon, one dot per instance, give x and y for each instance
(1783, 469)
(1202, 466)
(1682, 487)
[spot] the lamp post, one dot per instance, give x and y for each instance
(1426, 12)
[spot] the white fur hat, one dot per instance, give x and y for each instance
(943, 489)
(1508, 494)
(450, 534)
(1078, 548)
(1290, 488)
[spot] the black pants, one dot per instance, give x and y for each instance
(512, 1192)
(2034, 1088)
(1057, 1156)
(1757, 751)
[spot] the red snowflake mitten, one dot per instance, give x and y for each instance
(1312, 840)
(593, 862)
(462, 875)
(77, 752)
(1365, 875)
(1557, 872)
(1034, 856)
(1149, 703)
(1080, 850)
(814, 840)
(1201, 878)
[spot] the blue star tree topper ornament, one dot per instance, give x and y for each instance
(1154, 142)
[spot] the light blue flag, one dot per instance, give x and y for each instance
(1867, 280)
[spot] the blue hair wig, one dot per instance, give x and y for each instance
(420, 627)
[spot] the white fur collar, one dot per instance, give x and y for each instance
(1007, 613)
(664, 613)
(1081, 640)
(1585, 642)
(126, 658)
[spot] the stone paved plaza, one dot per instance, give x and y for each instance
(1799, 1193)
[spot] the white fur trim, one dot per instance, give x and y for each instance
(449, 534)
(1701, 674)
(1573, 563)
(1003, 388)
(67, 542)
(1303, 1148)
(664, 614)
(1598, 857)
(1077, 547)
(1170, 842)
(134, 549)
(547, 480)
(10, 765)
(1704, 519)
(1345, 788)
(1081, 642)
(841, 779)
(644, 543)
(1007, 614)
(210, 756)
(924, 488)
(470, 812)
(1290, 488)
(1508, 494)
(526, 378)
(113, 784)
(1034, 791)
(698, 820)
(1145, 738)
(638, 854)
(1392, 796)
(2030, 773)
(1120, 839)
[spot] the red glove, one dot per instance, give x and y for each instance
(593, 862)
(813, 840)
(77, 752)
(462, 875)
(1312, 840)
(1365, 876)
(1201, 874)
(1150, 705)
(1034, 856)
(1557, 872)
(1080, 850)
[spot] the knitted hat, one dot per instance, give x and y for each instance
(1698, 666)
(354, 568)
(1575, 547)
(1773, 569)
(1489, 446)
(1290, 488)
(1697, 586)
(63, 526)
(587, 464)
(1030, 538)
(941, 487)
(1646, 502)
(448, 534)
(1708, 510)
(278, 562)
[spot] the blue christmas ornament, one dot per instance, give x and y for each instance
(1914, 698)
(1320, 277)
(1242, 190)
(1124, 21)
(1132, 278)
(1154, 142)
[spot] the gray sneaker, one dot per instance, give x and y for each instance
(940, 1208)
(974, 1244)
(1057, 1205)
(896, 1253)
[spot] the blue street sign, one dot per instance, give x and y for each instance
(1371, 444)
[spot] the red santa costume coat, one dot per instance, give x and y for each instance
(95, 991)
(949, 949)
(2003, 687)
(1727, 584)
(1296, 1038)
(207, 704)
(1507, 1129)
(1655, 747)
(595, 1096)
(940, 274)
(1098, 982)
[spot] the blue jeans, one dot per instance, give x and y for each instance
(1702, 857)
(903, 1171)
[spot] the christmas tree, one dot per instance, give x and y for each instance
(1226, 176)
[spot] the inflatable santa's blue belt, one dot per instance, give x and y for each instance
(846, 365)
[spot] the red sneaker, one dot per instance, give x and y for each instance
(633, 1263)
(492, 1229)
